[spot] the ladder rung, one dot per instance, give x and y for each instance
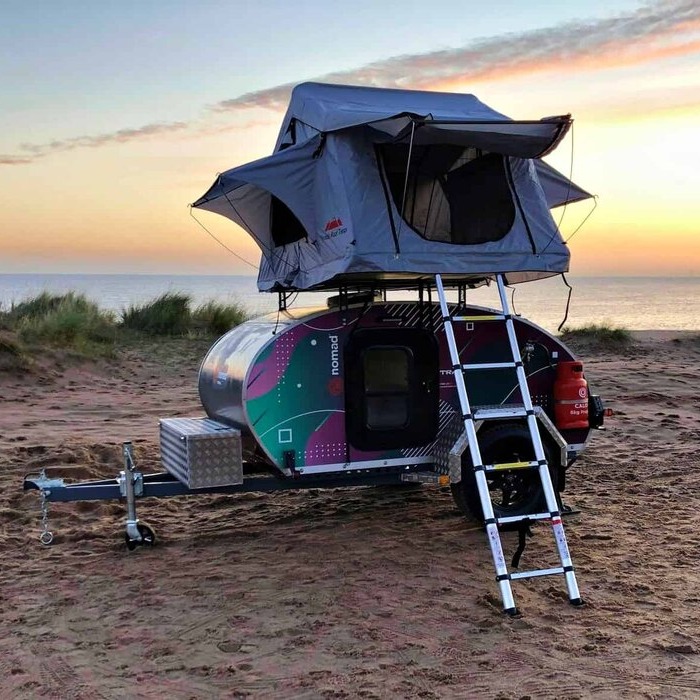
(500, 412)
(490, 365)
(538, 572)
(494, 317)
(520, 518)
(510, 465)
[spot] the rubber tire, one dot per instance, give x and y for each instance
(504, 442)
(148, 537)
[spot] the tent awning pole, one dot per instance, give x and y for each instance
(405, 182)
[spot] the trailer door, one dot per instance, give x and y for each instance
(391, 388)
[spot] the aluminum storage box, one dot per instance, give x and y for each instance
(201, 452)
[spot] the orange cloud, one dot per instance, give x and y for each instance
(605, 57)
(34, 151)
(654, 32)
(15, 160)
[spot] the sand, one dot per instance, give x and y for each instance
(374, 593)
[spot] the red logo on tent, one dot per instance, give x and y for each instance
(332, 224)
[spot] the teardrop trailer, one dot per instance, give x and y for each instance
(371, 190)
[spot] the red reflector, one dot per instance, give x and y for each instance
(607, 412)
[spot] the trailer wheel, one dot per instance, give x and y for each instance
(148, 534)
(516, 492)
(148, 537)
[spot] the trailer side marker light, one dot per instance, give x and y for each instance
(444, 480)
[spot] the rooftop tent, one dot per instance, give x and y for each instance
(370, 186)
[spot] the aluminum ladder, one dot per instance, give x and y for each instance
(492, 523)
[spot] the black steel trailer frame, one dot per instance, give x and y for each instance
(131, 485)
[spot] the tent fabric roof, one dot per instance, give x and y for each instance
(437, 117)
(558, 189)
(328, 107)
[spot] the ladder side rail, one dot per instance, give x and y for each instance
(502, 575)
(540, 455)
(545, 478)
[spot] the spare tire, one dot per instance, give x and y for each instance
(514, 492)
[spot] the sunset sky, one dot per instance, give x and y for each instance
(116, 114)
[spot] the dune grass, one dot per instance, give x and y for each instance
(45, 303)
(172, 314)
(216, 318)
(58, 320)
(64, 320)
(600, 334)
(5, 323)
(168, 314)
(73, 322)
(13, 358)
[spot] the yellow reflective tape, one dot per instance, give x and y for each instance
(479, 318)
(512, 465)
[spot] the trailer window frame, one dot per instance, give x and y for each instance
(419, 400)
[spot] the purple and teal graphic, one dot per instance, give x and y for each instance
(283, 382)
(295, 395)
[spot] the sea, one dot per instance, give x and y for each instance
(635, 303)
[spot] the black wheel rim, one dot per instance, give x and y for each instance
(512, 490)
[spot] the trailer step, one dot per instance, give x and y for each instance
(510, 411)
(506, 466)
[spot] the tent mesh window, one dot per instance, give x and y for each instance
(284, 225)
(453, 194)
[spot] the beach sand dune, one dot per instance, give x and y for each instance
(374, 593)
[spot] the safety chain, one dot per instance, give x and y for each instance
(46, 536)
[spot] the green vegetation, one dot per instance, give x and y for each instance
(73, 322)
(215, 318)
(45, 303)
(171, 314)
(12, 356)
(600, 334)
(62, 320)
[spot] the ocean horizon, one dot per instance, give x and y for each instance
(635, 303)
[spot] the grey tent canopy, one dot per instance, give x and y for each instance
(372, 186)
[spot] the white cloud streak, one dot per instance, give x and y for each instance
(655, 31)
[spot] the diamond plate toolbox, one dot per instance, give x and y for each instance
(201, 452)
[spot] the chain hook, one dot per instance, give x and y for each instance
(46, 536)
